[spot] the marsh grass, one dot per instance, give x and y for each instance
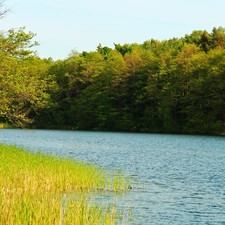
(33, 187)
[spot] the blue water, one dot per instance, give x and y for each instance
(176, 179)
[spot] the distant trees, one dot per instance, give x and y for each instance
(207, 41)
(175, 85)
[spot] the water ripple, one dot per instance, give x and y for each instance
(176, 179)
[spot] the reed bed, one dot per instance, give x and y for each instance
(33, 187)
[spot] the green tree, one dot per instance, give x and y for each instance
(123, 49)
(194, 38)
(218, 37)
(204, 102)
(22, 87)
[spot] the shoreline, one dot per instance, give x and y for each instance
(33, 186)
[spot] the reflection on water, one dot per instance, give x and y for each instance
(176, 179)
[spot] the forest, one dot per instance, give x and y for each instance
(168, 86)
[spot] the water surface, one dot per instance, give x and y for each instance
(176, 179)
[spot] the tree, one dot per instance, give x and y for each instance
(22, 87)
(123, 49)
(194, 37)
(104, 51)
(204, 103)
(218, 37)
(3, 10)
(206, 41)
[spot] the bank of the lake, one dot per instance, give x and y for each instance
(36, 189)
(175, 179)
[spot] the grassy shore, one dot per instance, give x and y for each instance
(34, 189)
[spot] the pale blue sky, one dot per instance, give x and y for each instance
(63, 25)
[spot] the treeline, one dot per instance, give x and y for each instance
(170, 86)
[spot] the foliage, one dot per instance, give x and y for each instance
(174, 85)
(22, 81)
(38, 188)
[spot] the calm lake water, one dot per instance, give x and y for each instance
(176, 179)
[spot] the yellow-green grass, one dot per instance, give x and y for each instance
(33, 187)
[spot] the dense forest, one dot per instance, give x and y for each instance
(169, 86)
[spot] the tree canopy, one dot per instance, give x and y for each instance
(174, 85)
(22, 85)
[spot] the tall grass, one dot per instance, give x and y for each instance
(33, 187)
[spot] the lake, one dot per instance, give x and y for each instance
(175, 179)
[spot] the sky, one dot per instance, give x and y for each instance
(65, 25)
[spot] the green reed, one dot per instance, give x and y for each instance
(33, 186)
